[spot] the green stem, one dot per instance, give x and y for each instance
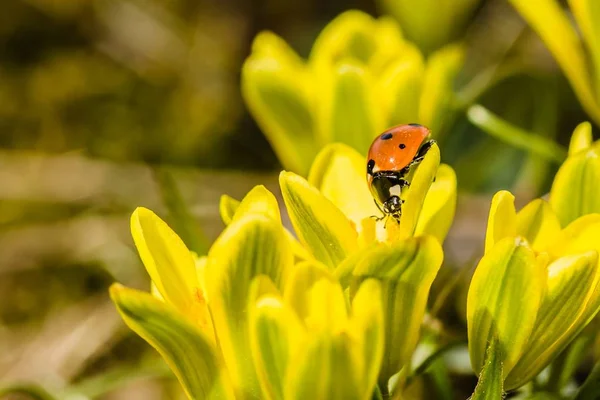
(590, 390)
(515, 136)
(490, 385)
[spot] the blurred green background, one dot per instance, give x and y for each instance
(106, 105)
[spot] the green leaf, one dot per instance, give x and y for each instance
(187, 351)
(349, 113)
(339, 172)
(276, 334)
(590, 390)
(406, 270)
(573, 192)
(435, 105)
(552, 24)
(489, 386)
(570, 285)
(537, 223)
(166, 258)
(417, 192)
(581, 138)
(503, 301)
(179, 213)
(438, 209)
(502, 220)
(587, 15)
(277, 96)
(31, 391)
(515, 136)
(251, 246)
(319, 224)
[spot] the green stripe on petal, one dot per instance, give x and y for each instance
(319, 224)
(406, 269)
(276, 333)
(367, 325)
(339, 172)
(574, 192)
(570, 285)
(275, 91)
(502, 220)
(350, 114)
(186, 350)
(251, 246)
(325, 369)
(168, 261)
(503, 301)
(417, 192)
(438, 209)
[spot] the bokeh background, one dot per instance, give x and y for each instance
(106, 105)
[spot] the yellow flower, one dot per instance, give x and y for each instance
(537, 285)
(332, 314)
(361, 77)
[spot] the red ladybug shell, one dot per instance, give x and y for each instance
(395, 148)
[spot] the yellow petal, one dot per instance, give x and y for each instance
(350, 35)
(581, 138)
(319, 224)
(579, 236)
(339, 172)
(573, 192)
(406, 270)
(302, 278)
(571, 283)
(587, 15)
(537, 223)
(502, 220)
(420, 184)
(437, 94)
(186, 350)
(258, 201)
(166, 258)
(276, 334)
(367, 326)
(227, 207)
(439, 206)
(503, 301)
(277, 96)
(326, 368)
(251, 246)
(401, 87)
(348, 111)
(326, 307)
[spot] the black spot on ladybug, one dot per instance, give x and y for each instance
(370, 166)
(415, 125)
(402, 146)
(386, 136)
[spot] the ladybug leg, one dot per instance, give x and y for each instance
(422, 151)
(377, 219)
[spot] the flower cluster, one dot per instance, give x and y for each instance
(332, 314)
(538, 284)
(361, 77)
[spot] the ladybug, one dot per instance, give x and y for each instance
(389, 161)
